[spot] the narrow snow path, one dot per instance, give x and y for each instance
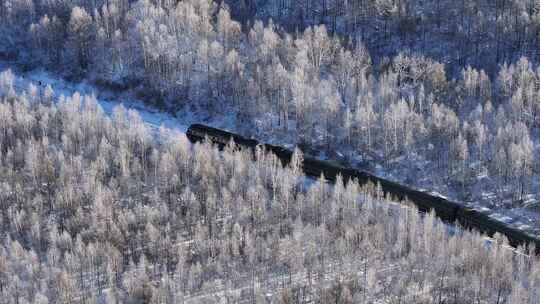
(41, 79)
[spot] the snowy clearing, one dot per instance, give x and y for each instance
(106, 100)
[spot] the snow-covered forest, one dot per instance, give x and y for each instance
(104, 209)
(441, 95)
(480, 33)
(97, 206)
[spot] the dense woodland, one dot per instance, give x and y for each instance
(480, 33)
(443, 94)
(98, 209)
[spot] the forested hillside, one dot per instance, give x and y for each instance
(423, 116)
(480, 33)
(99, 209)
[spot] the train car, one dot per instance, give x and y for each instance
(199, 132)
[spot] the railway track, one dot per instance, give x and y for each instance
(448, 211)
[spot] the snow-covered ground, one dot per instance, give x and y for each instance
(107, 100)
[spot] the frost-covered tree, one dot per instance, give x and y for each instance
(80, 32)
